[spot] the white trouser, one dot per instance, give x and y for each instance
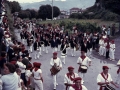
(73, 51)
(36, 54)
(101, 50)
(89, 52)
(46, 49)
(38, 84)
(104, 51)
(23, 41)
(43, 48)
(55, 81)
(59, 47)
(31, 48)
(111, 54)
(54, 49)
(40, 51)
(63, 57)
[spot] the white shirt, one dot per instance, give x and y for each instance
(83, 88)
(101, 79)
(112, 46)
(84, 62)
(28, 74)
(101, 42)
(68, 80)
(57, 61)
(21, 66)
(37, 73)
(10, 81)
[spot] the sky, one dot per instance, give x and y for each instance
(31, 1)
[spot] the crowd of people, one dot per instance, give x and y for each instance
(19, 73)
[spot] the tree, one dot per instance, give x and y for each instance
(33, 13)
(56, 11)
(45, 11)
(14, 6)
(24, 14)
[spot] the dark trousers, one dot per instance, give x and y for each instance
(107, 54)
(23, 78)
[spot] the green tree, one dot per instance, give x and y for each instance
(14, 6)
(56, 11)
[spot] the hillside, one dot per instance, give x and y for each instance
(63, 5)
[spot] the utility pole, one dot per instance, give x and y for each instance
(52, 11)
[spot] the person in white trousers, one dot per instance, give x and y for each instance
(55, 61)
(112, 51)
(37, 74)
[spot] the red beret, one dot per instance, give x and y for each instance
(112, 41)
(105, 67)
(77, 78)
(37, 64)
(70, 67)
(13, 62)
(34, 64)
(55, 53)
(29, 66)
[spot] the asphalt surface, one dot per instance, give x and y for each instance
(90, 76)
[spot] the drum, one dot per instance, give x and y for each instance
(82, 69)
(54, 70)
(108, 87)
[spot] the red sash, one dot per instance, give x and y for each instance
(76, 88)
(83, 57)
(69, 76)
(104, 78)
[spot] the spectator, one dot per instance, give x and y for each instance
(10, 80)
(3, 60)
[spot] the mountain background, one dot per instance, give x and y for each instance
(63, 5)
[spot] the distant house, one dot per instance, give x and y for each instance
(64, 14)
(75, 10)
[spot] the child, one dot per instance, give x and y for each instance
(21, 85)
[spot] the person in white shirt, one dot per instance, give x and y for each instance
(112, 51)
(101, 43)
(28, 74)
(78, 85)
(69, 77)
(55, 61)
(22, 67)
(37, 74)
(83, 61)
(9, 80)
(104, 79)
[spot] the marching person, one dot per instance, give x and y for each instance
(73, 44)
(112, 51)
(69, 77)
(46, 44)
(101, 42)
(83, 61)
(54, 44)
(37, 74)
(104, 79)
(55, 62)
(63, 51)
(78, 85)
(37, 47)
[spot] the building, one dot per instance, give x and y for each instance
(75, 10)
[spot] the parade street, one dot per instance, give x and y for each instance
(90, 77)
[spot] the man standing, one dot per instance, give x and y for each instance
(69, 77)
(55, 62)
(78, 85)
(83, 61)
(104, 79)
(112, 51)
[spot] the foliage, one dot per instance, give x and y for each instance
(24, 14)
(14, 6)
(45, 11)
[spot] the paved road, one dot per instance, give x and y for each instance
(93, 71)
